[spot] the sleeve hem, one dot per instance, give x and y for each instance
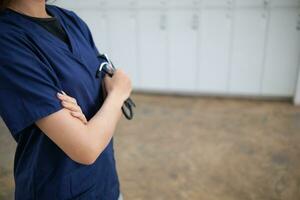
(31, 120)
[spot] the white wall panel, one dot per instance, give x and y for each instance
(186, 4)
(283, 52)
(152, 40)
(98, 24)
(152, 4)
(122, 36)
(85, 4)
(247, 52)
(285, 3)
(214, 52)
(297, 96)
(182, 39)
(121, 4)
(249, 3)
(216, 3)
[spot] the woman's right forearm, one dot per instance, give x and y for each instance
(102, 125)
(84, 142)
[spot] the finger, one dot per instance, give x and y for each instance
(71, 106)
(80, 116)
(67, 98)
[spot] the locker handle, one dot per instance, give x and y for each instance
(229, 9)
(163, 22)
(195, 22)
(265, 8)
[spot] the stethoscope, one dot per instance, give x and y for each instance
(108, 68)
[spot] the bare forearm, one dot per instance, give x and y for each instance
(102, 125)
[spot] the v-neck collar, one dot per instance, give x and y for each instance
(65, 27)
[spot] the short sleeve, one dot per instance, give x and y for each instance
(28, 86)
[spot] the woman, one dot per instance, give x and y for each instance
(65, 145)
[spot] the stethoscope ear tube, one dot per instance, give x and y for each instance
(108, 68)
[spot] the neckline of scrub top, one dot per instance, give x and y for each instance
(70, 49)
(66, 29)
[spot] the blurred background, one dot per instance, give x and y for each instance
(215, 83)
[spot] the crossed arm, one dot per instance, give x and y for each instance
(82, 140)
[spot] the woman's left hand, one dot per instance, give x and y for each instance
(70, 103)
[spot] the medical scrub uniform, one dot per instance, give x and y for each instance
(39, 58)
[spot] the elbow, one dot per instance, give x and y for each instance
(86, 150)
(86, 161)
(88, 156)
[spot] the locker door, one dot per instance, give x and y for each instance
(152, 49)
(248, 51)
(86, 4)
(285, 3)
(297, 93)
(182, 38)
(282, 53)
(214, 50)
(122, 41)
(215, 3)
(97, 22)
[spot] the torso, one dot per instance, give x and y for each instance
(42, 170)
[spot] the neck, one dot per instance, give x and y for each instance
(34, 8)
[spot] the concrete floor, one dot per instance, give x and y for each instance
(199, 148)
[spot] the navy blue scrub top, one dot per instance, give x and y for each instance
(34, 66)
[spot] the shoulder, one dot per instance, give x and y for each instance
(8, 27)
(14, 44)
(12, 39)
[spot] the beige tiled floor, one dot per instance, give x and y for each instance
(200, 148)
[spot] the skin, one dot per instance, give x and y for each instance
(82, 140)
(70, 103)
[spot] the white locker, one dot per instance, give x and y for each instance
(216, 3)
(284, 3)
(152, 47)
(226, 47)
(182, 39)
(153, 4)
(122, 26)
(282, 53)
(215, 36)
(86, 4)
(184, 5)
(256, 4)
(297, 94)
(98, 24)
(247, 52)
